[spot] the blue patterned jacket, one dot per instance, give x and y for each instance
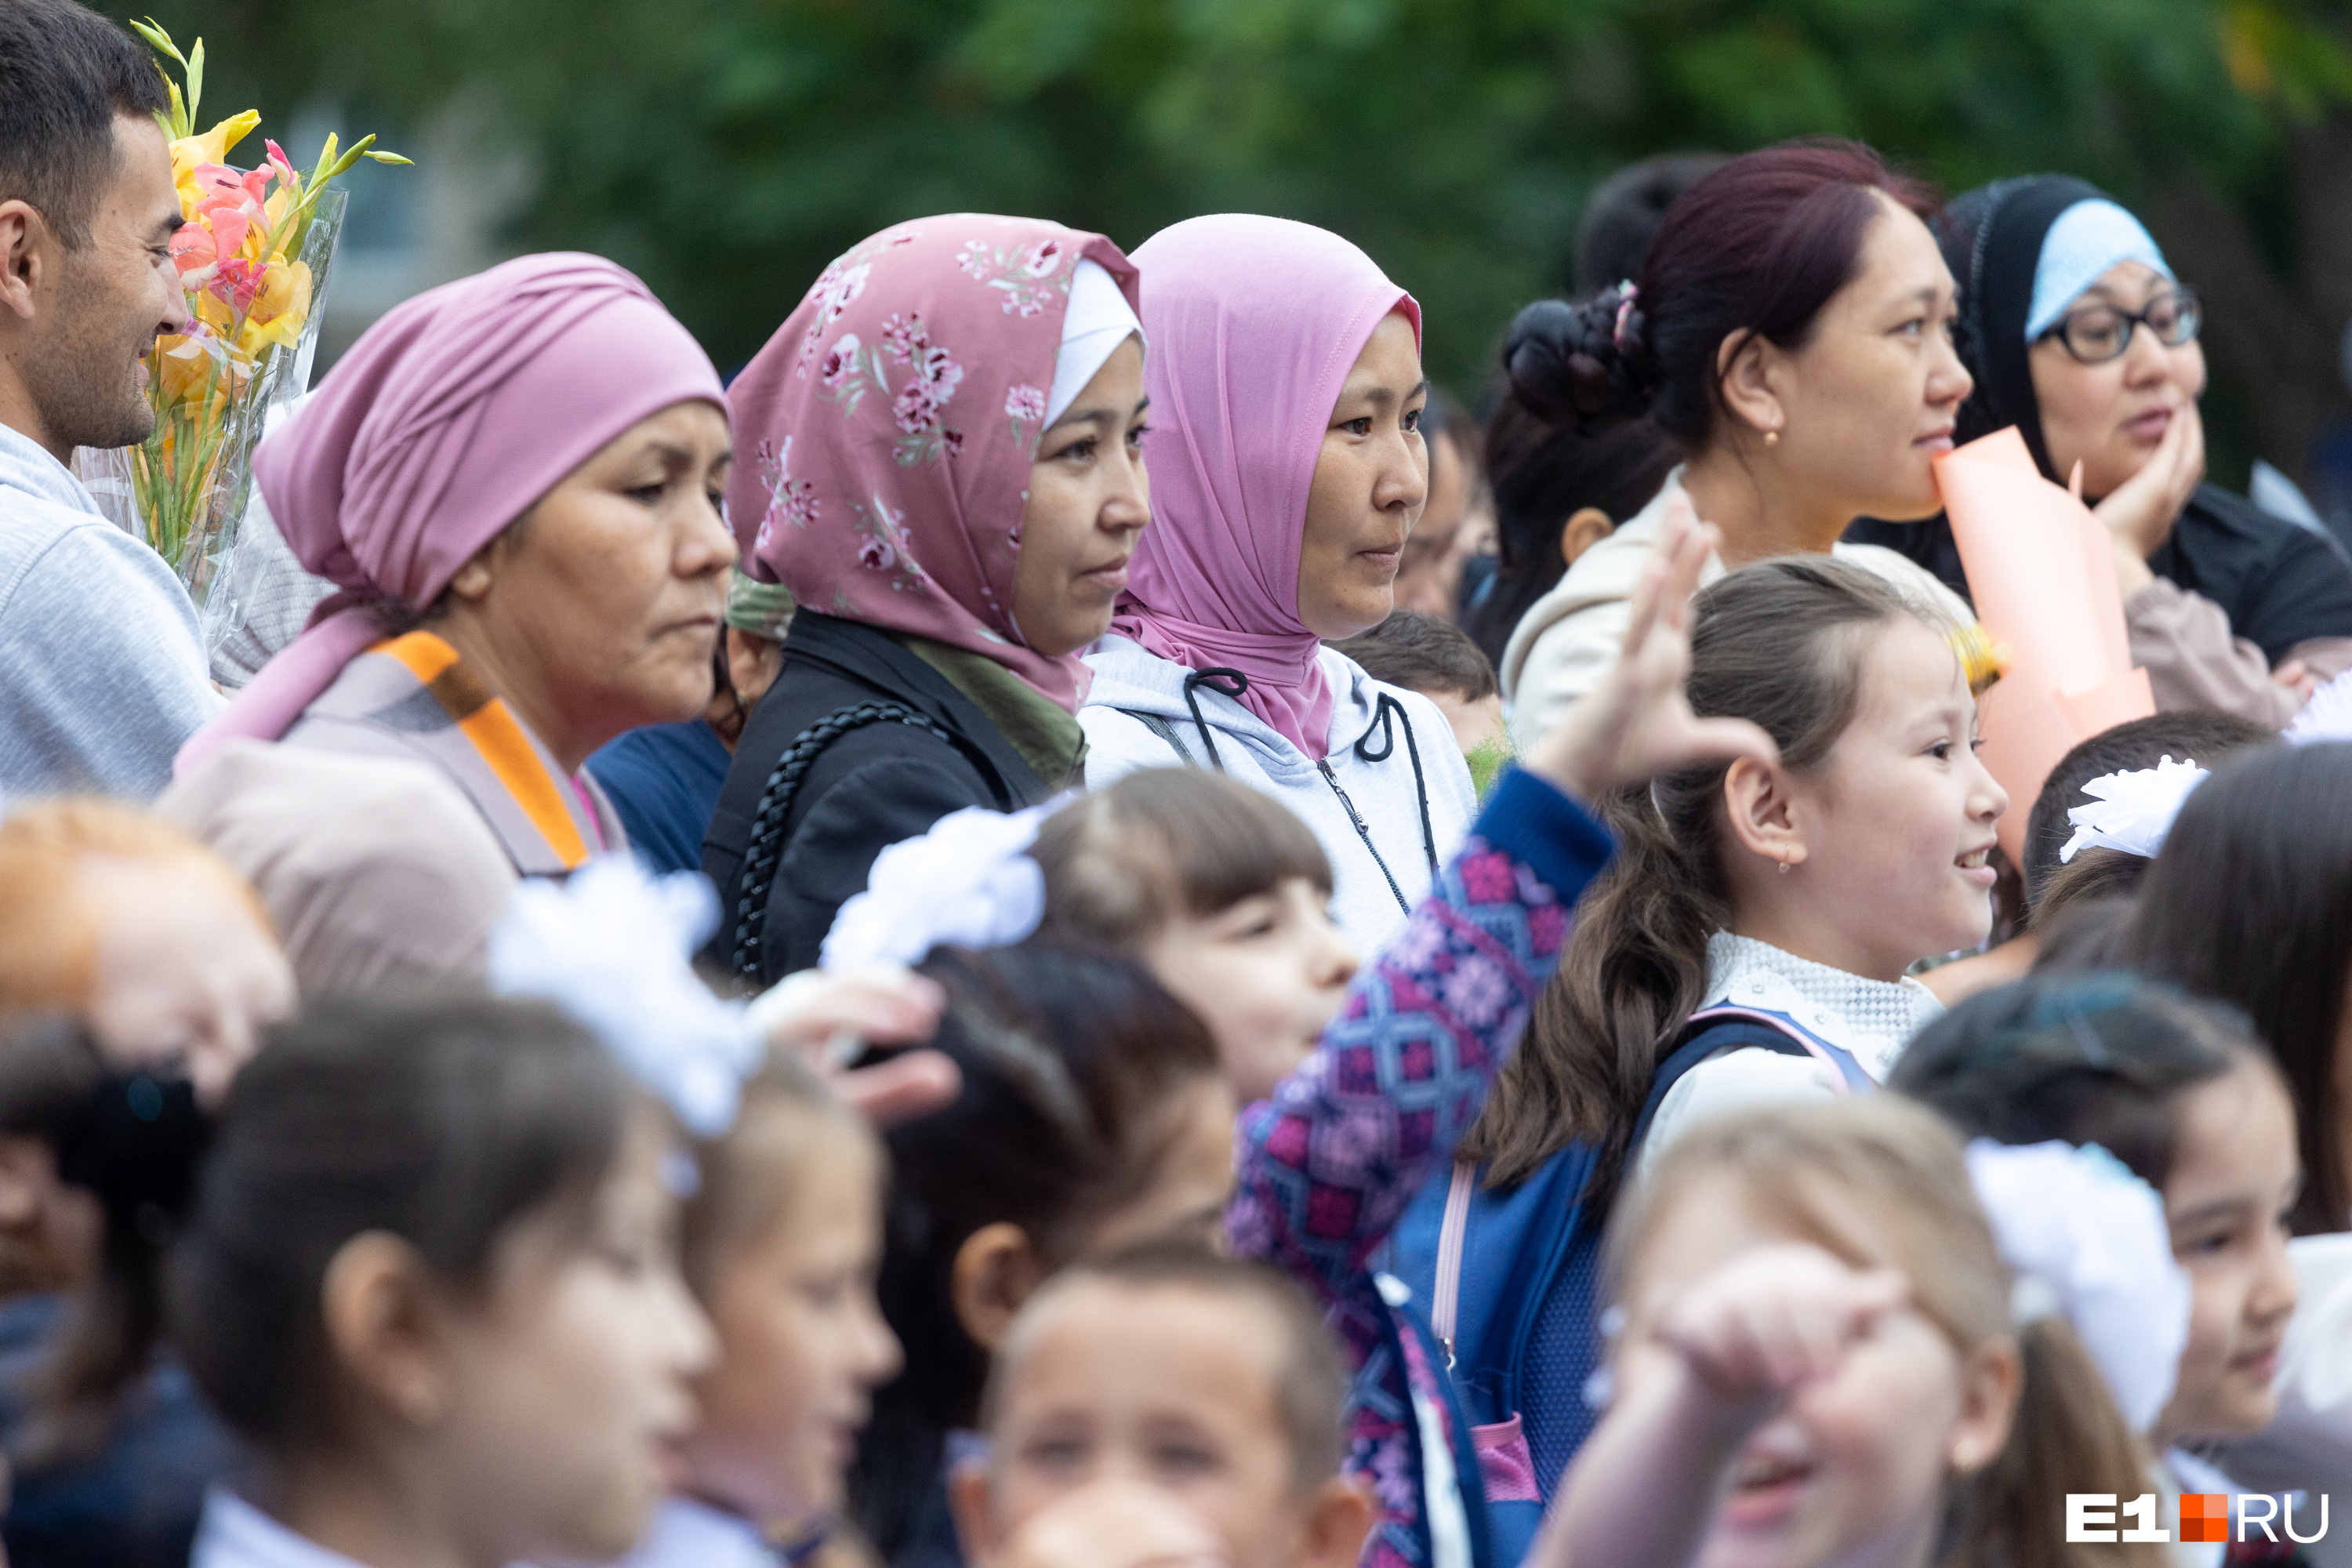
(1328, 1165)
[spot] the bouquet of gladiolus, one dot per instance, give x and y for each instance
(253, 257)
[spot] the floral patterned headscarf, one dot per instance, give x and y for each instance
(884, 436)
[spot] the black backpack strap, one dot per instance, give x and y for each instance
(764, 851)
(1159, 725)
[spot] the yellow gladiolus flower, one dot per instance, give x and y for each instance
(280, 307)
(191, 152)
(184, 368)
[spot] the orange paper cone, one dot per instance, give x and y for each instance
(2041, 569)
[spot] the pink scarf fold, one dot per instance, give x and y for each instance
(1254, 323)
(446, 422)
(886, 435)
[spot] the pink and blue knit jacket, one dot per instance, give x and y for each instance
(1327, 1167)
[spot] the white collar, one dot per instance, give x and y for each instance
(1874, 1019)
(235, 1534)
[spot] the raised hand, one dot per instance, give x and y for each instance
(1638, 721)
(2141, 512)
(826, 1018)
(1775, 1318)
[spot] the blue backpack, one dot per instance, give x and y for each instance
(1488, 1264)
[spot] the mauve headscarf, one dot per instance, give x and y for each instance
(446, 422)
(885, 434)
(1254, 323)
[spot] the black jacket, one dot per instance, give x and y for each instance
(869, 789)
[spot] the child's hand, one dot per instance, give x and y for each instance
(1775, 1318)
(1113, 1524)
(1638, 721)
(826, 1018)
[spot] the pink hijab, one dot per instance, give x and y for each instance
(1253, 323)
(885, 435)
(447, 421)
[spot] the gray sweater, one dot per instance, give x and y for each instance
(102, 671)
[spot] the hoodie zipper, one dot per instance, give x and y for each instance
(1363, 831)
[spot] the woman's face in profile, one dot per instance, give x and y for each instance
(1869, 400)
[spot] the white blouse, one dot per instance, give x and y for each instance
(1872, 1019)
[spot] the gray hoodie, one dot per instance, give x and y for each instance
(102, 669)
(1368, 814)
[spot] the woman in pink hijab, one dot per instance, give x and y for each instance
(515, 481)
(941, 462)
(1288, 468)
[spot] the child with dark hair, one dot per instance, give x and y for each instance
(1091, 1116)
(2201, 735)
(2181, 1093)
(428, 1281)
(109, 1447)
(1223, 1446)
(1437, 659)
(2249, 901)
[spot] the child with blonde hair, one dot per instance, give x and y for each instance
(1824, 1359)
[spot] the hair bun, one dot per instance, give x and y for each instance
(1583, 365)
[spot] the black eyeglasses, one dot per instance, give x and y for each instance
(2095, 335)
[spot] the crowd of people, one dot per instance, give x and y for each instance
(1071, 924)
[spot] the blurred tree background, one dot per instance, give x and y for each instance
(728, 148)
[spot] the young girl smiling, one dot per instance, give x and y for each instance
(1748, 947)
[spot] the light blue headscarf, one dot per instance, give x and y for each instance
(2088, 239)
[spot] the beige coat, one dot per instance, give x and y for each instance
(1567, 638)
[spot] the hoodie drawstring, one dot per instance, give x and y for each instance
(1391, 710)
(1228, 683)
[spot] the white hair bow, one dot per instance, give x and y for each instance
(2088, 1240)
(613, 947)
(968, 882)
(2132, 811)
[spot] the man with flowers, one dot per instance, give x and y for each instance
(104, 669)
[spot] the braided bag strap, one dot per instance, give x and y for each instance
(764, 852)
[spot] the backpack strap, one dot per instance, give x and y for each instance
(763, 851)
(1703, 1035)
(1159, 725)
(1757, 1027)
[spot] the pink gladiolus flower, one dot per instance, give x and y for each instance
(195, 255)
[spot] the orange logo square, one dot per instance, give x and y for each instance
(2205, 1516)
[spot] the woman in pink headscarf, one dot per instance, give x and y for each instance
(1286, 395)
(942, 463)
(515, 480)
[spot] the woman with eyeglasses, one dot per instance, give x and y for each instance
(2078, 333)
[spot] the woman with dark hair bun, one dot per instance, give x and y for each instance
(1790, 335)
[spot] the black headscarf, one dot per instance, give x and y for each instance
(2279, 583)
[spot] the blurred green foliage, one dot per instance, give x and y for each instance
(729, 148)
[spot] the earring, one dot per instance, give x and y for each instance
(1771, 438)
(1784, 865)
